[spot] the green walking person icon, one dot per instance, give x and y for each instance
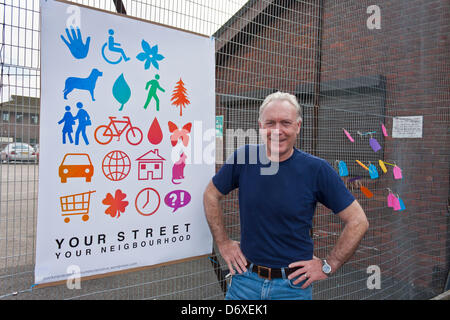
(154, 86)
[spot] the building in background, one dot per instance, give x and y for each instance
(20, 120)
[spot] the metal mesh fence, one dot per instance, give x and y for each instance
(345, 72)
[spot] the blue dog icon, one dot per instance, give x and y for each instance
(82, 83)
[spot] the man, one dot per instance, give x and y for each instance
(275, 257)
(83, 121)
(152, 93)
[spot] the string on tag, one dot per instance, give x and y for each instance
(372, 141)
(397, 171)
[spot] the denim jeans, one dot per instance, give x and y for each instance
(249, 286)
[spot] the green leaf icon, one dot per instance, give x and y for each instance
(121, 91)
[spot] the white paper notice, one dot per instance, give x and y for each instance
(127, 143)
(407, 127)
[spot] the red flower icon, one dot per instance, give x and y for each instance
(116, 203)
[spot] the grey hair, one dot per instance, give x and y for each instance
(281, 96)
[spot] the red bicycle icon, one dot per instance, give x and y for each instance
(105, 133)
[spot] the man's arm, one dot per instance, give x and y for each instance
(356, 225)
(229, 249)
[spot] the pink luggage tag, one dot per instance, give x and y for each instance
(383, 128)
(348, 135)
(395, 203)
(397, 173)
(390, 200)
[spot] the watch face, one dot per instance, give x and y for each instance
(326, 268)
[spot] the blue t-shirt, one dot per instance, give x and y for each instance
(276, 211)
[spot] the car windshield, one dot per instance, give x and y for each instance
(76, 160)
(21, 147)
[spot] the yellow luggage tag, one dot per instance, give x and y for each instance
(382, 166)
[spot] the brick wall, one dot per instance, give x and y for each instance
(410, 51)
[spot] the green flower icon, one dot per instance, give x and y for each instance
(150, 55)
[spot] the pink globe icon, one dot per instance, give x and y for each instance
(116, 165)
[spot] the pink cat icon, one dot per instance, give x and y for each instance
(178, 169)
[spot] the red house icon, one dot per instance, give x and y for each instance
(150, 166)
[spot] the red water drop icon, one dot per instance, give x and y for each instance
(155, 134)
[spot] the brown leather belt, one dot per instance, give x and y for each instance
(270, 273)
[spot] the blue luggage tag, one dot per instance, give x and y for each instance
(373, 172)
(402, 204)
(343, 171)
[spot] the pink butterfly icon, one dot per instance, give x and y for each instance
(179, 134)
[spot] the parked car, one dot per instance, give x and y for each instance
(36, 148)
(18, 151)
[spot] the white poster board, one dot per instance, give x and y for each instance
(407, 127)
(127, 143)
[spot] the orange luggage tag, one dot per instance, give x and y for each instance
(363, 189)
(366, 192)
(362, 165)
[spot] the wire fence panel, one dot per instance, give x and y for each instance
(353, 65)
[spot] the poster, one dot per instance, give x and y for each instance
(407, 127)
(127, 143)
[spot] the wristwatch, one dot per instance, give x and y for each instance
(326, 268)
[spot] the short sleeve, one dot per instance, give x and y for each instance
(331, 190)
(227, 178)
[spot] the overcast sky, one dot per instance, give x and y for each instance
(20, 31)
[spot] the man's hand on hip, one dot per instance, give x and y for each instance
(233, 256)
(311, 270)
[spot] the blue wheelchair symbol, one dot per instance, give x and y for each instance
(115, 48)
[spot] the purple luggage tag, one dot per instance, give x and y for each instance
(374, 144)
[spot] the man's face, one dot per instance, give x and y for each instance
(279, 119)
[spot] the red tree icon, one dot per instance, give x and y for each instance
(179, 97)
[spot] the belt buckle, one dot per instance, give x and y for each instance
(269, 270)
